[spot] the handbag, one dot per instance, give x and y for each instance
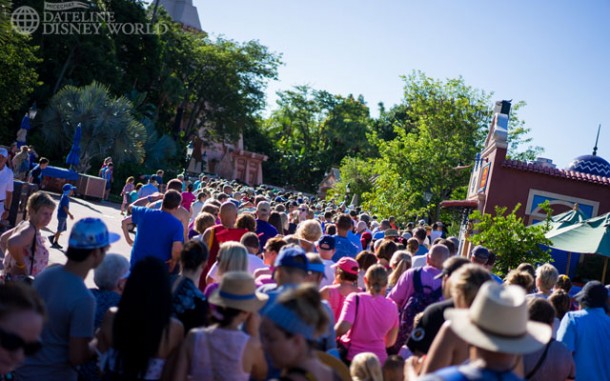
(341, 347)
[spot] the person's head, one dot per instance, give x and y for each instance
(346, 270)
(376, 280)
(146, 298)
(393, 368)
(497, 324)
(546, 278)
(564, 283)
(251, 242)
(365, 366)
(3, 156)
(232, 256)
(209, 207)
(561, 302)
(246, 221)
(171, 199)
(419, 234)
(130, 180)
(520, 278)
(400, 262)
(275, 219)
(449, 267)
(271, 249)
(194, 256)
(437, 255)
(228, 214)
(68, 189)
(175, 184)
(465, 284)
(160, 172)
(190, 187)
(89, 241)
(315, 269)
(529, 268)
(593, 295)
(22, 316)
(40, 208)
(385, 251)
(344, 224)
(412, 245)
(43, 162)
(236, 298)
(309, 230)
(291, 326)
(203, 221)
(202, 196)
(365, 260)
(541, 310)
(263, 210)
(479, 255)
(326, 247)
(112, 273)
(291, 265)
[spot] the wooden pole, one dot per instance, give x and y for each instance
(605, 268)
(568, 265)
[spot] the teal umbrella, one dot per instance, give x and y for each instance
(565, 219)
(591, 236)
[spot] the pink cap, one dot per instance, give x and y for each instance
(347, 264)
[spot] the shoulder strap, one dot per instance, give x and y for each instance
(33, 251)
(419, 288)
(540, 361)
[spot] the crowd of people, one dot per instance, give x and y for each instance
(228, 282)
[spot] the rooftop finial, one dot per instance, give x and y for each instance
(596, 140)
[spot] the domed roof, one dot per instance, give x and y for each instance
(591, 164)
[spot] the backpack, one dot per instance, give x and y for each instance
(421, 298)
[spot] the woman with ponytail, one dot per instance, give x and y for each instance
(289, 331)
(368, 320)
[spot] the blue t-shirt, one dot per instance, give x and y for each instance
(344, 248)
(354, 238)
(586, 333)
(157, 231)
(64, 201)
(267, 230)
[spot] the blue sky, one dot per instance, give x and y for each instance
(554, 55)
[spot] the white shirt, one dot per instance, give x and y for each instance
(6, 183)
(254, 263)
(419, 261)
(329, 272)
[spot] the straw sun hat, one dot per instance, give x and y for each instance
(498, 321)
(238, 290)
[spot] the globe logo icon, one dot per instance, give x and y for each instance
(25, 20)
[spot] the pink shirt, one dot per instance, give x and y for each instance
(187, 199)
(404, 288)
(377, 315)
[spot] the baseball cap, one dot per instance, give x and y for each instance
(391, 233)
(593, 295)
(91, 233)
(480, 253)
(347, 264)
(3, 152)
(68, 187)
(293, 256)
(327, 242)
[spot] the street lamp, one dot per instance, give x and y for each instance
(428, 198)
(189, 155)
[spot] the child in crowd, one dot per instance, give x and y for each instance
(127, 189)
(63, 212)
(35, 175)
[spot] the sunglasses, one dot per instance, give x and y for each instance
(12, 343)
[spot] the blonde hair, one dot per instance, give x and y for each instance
(400, 262)
(366, 367)
(376, 279)
(38, 200)
(546, 277)
(232, 256)
(309, 230)
(203, 221)
(467, 280)
(306, 303)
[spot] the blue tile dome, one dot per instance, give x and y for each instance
(591, 164)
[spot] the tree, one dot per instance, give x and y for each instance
(108, 125)
(510, 239)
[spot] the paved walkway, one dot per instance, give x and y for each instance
(110, 213)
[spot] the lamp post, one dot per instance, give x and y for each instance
(347, 194)
(189, 156)
(427, 198)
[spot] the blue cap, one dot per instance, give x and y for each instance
(91, 233)
(327, 242)
(480, 253)
(68, 188)
(293, 256)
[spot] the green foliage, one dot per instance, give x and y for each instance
(509, 237)
(108, 125)
(312, 131)
(358, 174)
(18, 61)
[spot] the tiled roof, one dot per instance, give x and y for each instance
(566, 174)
